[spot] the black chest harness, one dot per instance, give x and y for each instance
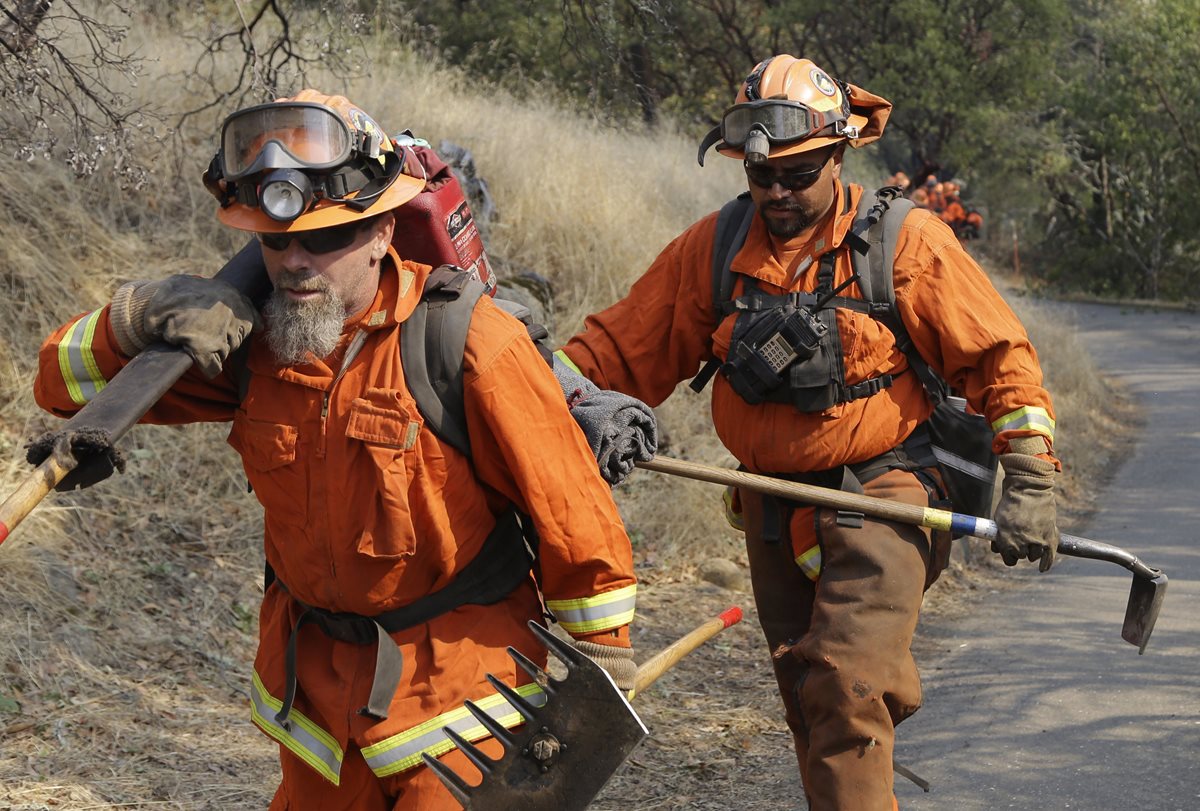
(787, 348)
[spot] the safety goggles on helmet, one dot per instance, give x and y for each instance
(781, 120)
(295, 135)
(318, 241)
(755, 126)
(286, 158)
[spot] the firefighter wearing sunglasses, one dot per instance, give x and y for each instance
(399, 564)
(824, 395)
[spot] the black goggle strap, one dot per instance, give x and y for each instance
(212, 182)
(714, 135)
(369, 179)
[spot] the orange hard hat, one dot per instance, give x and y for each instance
(787, 106)
(306, 162)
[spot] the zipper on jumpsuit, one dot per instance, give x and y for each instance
(356, 344)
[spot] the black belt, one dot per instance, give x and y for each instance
(914, 453)
(503, 563)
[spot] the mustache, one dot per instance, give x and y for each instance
(301, 282)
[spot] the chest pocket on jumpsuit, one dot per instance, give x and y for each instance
(269, 457)
(381, 432)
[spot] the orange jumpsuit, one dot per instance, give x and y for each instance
(838, 604)
(953, 214)
(366, 510)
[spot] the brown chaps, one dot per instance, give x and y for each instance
(841, 646)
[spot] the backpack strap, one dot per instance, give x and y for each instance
(733, 223)
(873, 254)
(432, 342)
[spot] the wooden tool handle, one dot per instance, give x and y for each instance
(131, 392)
(37, 484)
(665, 659)
(796, 491)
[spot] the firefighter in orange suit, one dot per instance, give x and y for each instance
(369, 644)
(838, 596)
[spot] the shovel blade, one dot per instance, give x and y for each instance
(1145, 601)
(566, 751)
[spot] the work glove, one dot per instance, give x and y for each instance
(1025, 516)
(616, 661)
(620, 429)
(207, 318)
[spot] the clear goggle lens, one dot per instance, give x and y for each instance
(779, 119)
(300, 135)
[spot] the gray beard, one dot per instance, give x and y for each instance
(296, 329)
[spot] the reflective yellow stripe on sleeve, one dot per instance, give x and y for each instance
(76, 361)
(809, 562)
(305, 739)
(562, 356)
(583, 615)
(1027, 418)
(403, 751)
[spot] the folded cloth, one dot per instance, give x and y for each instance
(620, 429)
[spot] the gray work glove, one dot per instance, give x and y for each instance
(620, 429)
(1025, 516)
(617, 662)
(207, 318)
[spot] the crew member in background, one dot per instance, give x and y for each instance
(901, 181)
(953, 213)
(400, 563)
(837, 595)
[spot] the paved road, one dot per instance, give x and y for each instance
(1036, 703)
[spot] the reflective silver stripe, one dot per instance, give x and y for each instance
(810, 563)
(306, 740)
(403, 751)
(612, 609)
(1027, 418)
(953, 460)
(76, 361)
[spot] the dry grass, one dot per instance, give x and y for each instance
(128, 612)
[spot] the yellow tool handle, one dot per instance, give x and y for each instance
(669, 656)
(44, 478)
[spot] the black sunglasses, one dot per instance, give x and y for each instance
(764, 177)
(321, 240)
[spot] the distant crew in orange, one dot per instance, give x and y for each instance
(838, 595)
(379, 623)
(966, 222)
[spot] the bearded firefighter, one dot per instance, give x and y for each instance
(398, 564)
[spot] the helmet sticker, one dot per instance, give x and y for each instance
(822, 82)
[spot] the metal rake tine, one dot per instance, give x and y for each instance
(529, 666)
(569, 656)
(518, 701)
(459, 788)
(482, 762)
(491, 725)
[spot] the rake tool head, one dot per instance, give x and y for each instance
(568, 748)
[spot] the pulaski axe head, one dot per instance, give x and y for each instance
(1145, 601)
(568, 748)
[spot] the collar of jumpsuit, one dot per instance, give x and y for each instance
(785, 262)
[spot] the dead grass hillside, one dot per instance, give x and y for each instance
(128, 611)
